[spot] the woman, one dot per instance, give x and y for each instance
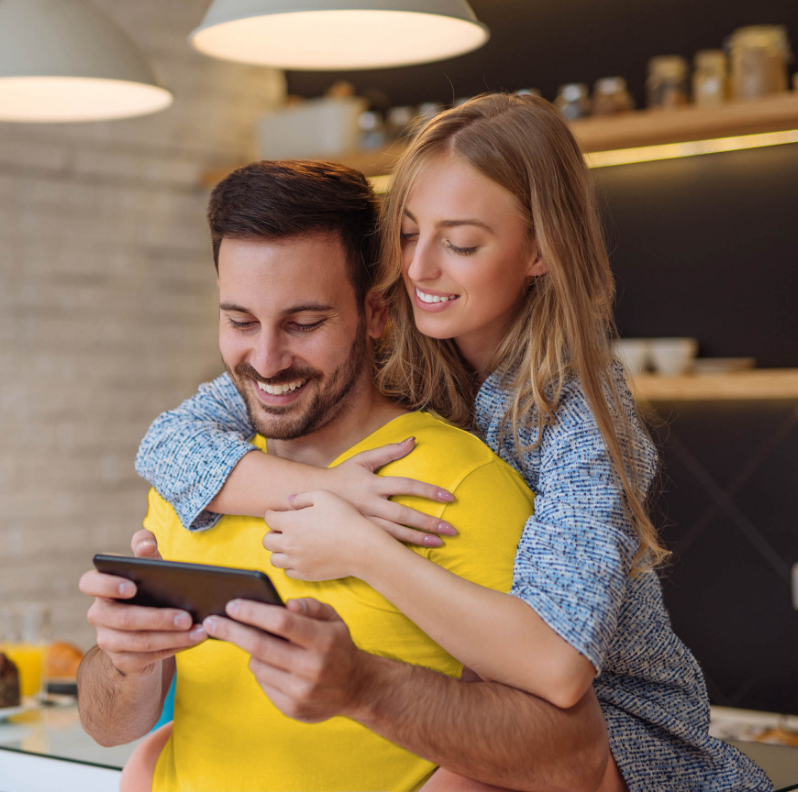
(500, 295)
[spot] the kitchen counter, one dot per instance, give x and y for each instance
(46, 749)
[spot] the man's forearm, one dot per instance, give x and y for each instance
(484, 730)
(116, 708)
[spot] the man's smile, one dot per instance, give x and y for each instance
(281, 394)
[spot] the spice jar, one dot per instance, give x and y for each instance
(372, 130)
(573, 101)
(666, 85)
(610, 96)
(759, 57)
(710, 78)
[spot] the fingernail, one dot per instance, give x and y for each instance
(432, 541)
(126, 589)
(291, 498)
(409, 440)
(445, 496)
(210, 624)
(197, 634)
(446, 529)
(146, 543)
(233, 607)
(183, 621)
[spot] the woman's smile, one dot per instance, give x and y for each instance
(433, 301)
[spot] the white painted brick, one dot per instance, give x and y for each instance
(108, 304)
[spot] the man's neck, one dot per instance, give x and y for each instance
(367, 410)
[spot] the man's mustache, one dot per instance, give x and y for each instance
(288, 375)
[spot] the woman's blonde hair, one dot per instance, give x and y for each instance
(564, 325)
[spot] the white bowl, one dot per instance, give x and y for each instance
(633, 353)
(672, 356)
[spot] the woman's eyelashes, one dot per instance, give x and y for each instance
(412, 236)
(461, 251)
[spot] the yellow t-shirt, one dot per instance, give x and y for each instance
(227, 735)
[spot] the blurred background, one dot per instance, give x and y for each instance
(108, 302)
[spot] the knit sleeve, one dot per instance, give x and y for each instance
(575, 555)
(189, 452)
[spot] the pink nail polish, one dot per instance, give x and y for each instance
(446, 529)
(445, 496)
(432, 541)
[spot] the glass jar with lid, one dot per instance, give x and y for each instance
(759, 58)
(573, 101)
(610, 96)
(710, 78)
(666, 86)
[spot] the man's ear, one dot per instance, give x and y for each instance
(376, 315)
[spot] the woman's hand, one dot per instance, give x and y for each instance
(325, 538)
(356, 481)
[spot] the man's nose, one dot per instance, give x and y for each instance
(424, 266)
(270, 354)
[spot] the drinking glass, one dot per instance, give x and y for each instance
(24, 638)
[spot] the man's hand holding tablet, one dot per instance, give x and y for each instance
(136, 637)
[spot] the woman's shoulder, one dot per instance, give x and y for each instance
(573, 422)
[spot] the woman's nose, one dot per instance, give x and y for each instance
(423, 265)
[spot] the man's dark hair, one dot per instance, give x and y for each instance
(292, 198)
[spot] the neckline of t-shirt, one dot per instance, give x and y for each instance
(350, 452)
(355, 449)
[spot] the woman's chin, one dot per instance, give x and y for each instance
(434, 329)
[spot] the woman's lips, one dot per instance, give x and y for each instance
(433, 307)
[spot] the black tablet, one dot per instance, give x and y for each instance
(201, 589)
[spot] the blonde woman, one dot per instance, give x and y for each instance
(500, 296)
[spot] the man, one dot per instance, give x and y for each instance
(325, 708)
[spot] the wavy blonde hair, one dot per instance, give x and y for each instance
(563, 328)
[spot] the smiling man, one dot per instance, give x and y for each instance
(356, 696)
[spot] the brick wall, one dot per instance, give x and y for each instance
(107, 302)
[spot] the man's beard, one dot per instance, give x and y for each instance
(328, 403)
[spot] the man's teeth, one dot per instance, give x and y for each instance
(277, 390)
(433, 298)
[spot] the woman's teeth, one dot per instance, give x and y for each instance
(433, 298)
(277, 390)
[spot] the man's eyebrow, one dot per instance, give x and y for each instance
(456, 223)
(232, 307)
(308, 307)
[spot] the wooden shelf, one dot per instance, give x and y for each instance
(640, 128)
(656, 127)
(755, 384)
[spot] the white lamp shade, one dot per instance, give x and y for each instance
(321, 35)
(62, 61)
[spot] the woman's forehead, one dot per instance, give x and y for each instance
(450, 188)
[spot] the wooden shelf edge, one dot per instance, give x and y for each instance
(639, 128)
(744, 385)
(656, 127)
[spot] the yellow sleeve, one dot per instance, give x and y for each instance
(491, 507)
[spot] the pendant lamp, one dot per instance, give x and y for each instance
(322, 35)
(62, 61)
